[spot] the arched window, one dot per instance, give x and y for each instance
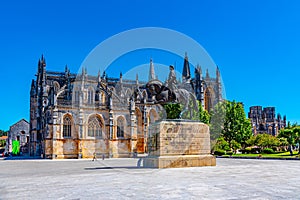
(102, 97)
(67, 127)
(208, 100)
(120, 127)
(56, 86)
(95, 127)
(76, 96)
(90, 96)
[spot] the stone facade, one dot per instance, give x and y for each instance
(77, 115)
(179, 144)
(263, 120)
(19, 131)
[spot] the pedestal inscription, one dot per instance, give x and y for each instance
(179, 144)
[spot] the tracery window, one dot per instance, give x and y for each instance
(76, 95)
(120, 127)
(67, 126)
(90, 96)
(95, 127)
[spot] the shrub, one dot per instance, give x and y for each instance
(275, 149)
(219, 152)
(268, 151)
(246, 150)
(229, 153)
(255, 150)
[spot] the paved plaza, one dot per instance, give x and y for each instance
(122, 179)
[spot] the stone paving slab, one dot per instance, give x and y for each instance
(122, 179)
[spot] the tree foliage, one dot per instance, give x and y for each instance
(3, 133)
(217, 120)
(263, 141)
(173, 110)
(291, 134)
(221, 144)
(237, 128)
(203, 115)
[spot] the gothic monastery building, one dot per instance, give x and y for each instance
(77, 115)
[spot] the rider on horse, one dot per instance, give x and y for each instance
(171, 83)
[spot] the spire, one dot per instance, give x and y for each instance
(121, 77)
(219, 86)
(32, 90)
(39, 72)
(99, 76)
(198, 70)
(66, 69)
(151, 71)
(83, 75)
(43, 68)
(186, 74)
(136, 79)
(218, 74)
(43, 61)
(207, 74)
(104, 75)
(44, 81)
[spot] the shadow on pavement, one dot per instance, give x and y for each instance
(116, 167)
(22, 158)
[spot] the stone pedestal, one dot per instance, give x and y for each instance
(179, 143)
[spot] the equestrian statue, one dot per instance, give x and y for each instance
(170, 93)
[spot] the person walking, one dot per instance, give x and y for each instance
(94, 157)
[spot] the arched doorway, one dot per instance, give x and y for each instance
(152, 118)
(140, 146)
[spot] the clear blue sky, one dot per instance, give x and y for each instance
(256, 44)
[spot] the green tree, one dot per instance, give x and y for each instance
(3, 142)
(283, 143)
(173, 110)
(292, 135)
(237, 128)
(217, 120)
(296, 131)
(203, 115)
(264, 141)
(221, 144)
(3, 133)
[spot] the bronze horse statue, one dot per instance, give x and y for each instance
(162, 95)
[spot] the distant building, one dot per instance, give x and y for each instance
(264, 120)
(3, 139)
(77, 115)
(20, 132)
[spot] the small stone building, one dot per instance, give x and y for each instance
(20, 132)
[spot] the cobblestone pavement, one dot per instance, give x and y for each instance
(122, 179)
